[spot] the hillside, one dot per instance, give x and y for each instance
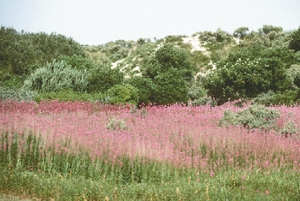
(207, 67)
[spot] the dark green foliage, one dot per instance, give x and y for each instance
(166, 58)
(69, 95)
(76, 61)
(295, 40)
(267, 29)
(248, 72)
(169, 87)
(241, 32)
(120, 94)
(288, 97)
(253, 117)
(170, 71)
(144, 88)
(20, 53)
(101, 78)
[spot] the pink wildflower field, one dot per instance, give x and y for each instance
(178, 135)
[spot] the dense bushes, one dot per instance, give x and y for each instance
(250, 71)
(160, 71)
(295, 41)
(101, 78)
(20, 53)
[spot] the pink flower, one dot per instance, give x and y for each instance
(212, 174)
(267, 192)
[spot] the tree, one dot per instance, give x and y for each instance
(144, 88)
(241, 32)
(295, 41)
(248, 72)
(169, 87)
(101, 78)
(269, 28)
(170, 72)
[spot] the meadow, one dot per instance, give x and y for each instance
(89, 151)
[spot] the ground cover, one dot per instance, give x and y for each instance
(87, 151)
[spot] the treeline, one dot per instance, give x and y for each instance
(262, 65)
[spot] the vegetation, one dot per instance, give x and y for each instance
(90, 151)
(86, 122)
(247, 64)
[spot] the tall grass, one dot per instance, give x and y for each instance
(86, 151)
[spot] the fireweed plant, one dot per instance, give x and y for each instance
(90, 151)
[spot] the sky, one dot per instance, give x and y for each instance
(95, 22)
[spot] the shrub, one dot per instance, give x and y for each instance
(253, 117)
(69, 95)
(20, 94)
(101, 78)
(170, 71)
(295, 41)
(121, 94)
(266, 99)
(204, 101)
(288, 97)
(248, 72)
(57, 76)
(289, 128)
(76, 61)
(116, 124)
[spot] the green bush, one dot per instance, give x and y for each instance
(21, 53)
(144, 88)
(69, 95)
(295, 41)
(253, 117)
(77, 61)
(57, 76)
(288, 97)
(204, 101)
(101, 78)
(289, 128)
(17, 94)
(266, 99)
(121, 94)
(171, 72)
(248, 72)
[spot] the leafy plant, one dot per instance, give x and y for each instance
(57, 76)
(289, 128)
(248, 72)
(101, 78)
(121, 94)
(253, 117)
(17, 94)
(116, 124)
(170, 71)
(295, 41)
